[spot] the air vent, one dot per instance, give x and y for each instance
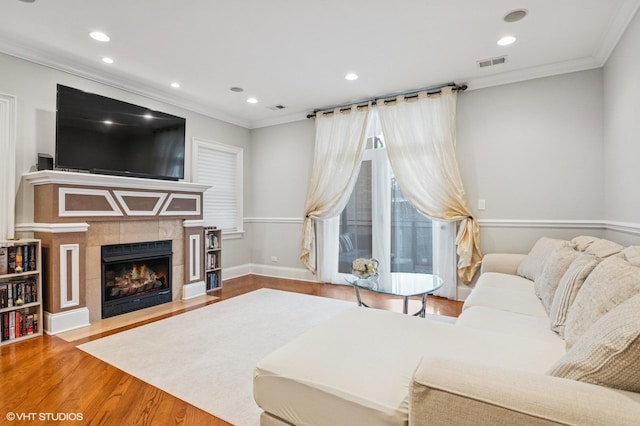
(276, 107)
(492, 61)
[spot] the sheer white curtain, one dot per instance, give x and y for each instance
(339, 144)
(420, 138)
(444, 257)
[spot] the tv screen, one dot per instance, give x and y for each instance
(103, 135)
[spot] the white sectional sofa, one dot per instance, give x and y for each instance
(552, 337)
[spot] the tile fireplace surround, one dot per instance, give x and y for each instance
(76, 213)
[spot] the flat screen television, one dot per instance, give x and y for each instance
(102, 135)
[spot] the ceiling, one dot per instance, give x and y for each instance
(296, 53)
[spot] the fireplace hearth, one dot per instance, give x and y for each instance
(135, 276)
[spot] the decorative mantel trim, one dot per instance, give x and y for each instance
(45, 177)
(65, 211)
(192, 223)
(53, 228)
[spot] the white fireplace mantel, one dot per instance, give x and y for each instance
(45, 177)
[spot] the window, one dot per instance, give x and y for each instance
(379, 222)
(220, 166)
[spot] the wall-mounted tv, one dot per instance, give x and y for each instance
(103, 135)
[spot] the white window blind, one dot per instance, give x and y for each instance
(220, 166)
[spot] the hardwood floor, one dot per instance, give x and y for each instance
(49, 378)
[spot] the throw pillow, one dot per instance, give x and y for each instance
(608, 353)
(632, 254)
(532, 264)
(583, 242)
(554, 267)
(604, 248)
(612, 282)
(568, 288)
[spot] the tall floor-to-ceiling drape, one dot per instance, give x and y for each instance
(420, 136)
(338, 149)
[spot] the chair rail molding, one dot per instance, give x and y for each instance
(291, 220)
(625, 227)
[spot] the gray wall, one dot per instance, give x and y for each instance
(532, 150)
(622, 134)
(35, 88)
(282, 161)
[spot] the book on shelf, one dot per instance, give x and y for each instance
(11, 260)
(4, 260)
(33, 264)
(18, 292)
(212, 241)
(18, 258)
(212, 281)
(18, 323)
(212, 260)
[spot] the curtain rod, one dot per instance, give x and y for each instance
(431, 90)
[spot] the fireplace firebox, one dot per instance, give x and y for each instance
(135, 276)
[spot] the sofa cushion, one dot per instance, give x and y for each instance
(357, 368)
(532, 264)
(510, 323)
(612, 282)
(632, 255)
(608, 353)
(568, 288)
(604, 248)
(583, 242)
(553, 268)
(505, 292)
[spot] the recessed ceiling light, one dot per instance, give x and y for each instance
(108, 122)
(237, 89)
(148, 116)
(252, 100)
(515, 15)
(100, 36)
(506, 40)
(351, 76)
(175, 85)
(28, 1)
(107, 60)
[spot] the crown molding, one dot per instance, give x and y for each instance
(517, 76)
(616, 28)
(63, 62)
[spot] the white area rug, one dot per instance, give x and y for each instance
(206, 356)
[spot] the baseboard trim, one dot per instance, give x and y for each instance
(65, 321)
(299, 274)
(197, 289)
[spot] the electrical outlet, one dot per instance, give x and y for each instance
(482, 205)
(274, 259)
